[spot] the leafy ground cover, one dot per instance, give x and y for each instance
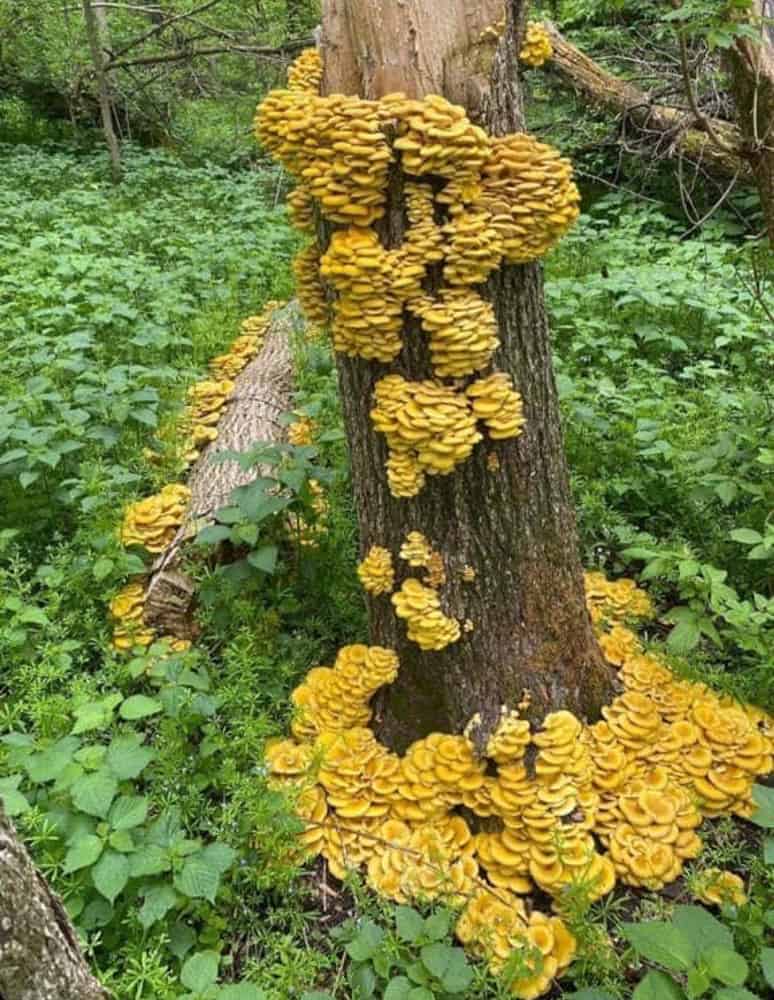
(139, 782)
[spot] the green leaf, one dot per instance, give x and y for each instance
(213, 534)
(95, 715)
(49, 763)
(438, 925)
(127, 758)
(158, 901)
(94, 793)
(436, 958)
(139, 706)
(661, 942)
(684, 636)
(701, 928)
(767, 965)
(364, 981)
(246, 991)
(746, 536)
(264, 559)
(102, 568)
(768, 850)
(316, 995)
(408, 923)
(200, 971)
(201, 873)
(658, 986)
(764, 800)
(366, 943)
(110, 874)
(734, 993)
(13, 802)
(590, 994)
(699, 981)
(398, 989)
(83, 853)
(149, 860)
(725, 965)
(122, 840)
(128, 811)
(421, 993)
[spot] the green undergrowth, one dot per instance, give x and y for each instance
(138, 782)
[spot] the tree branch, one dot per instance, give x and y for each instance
(180, 55)
(698, 114)
(158, 28)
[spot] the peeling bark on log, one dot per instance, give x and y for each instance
(675, 132)
(262, 393)
(40, 958)
(515, 526)
(751, 65)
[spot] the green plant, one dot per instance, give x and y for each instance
(699, 953)
(412, 959)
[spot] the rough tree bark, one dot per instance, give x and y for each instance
(672, 131)
(39, 954)
(514, 525)
(103, 88)
(751, 68)
(262, 393)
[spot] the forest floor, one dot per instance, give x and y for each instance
(111, 304)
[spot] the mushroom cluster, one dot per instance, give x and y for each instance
(615, 601)
(716, 887)
(427, 625)
(429, 425)
(376, 571)
(497, 405)
(472, 202)
(305, 73)
(495, 926)
(302, 430)
(528, 189)
(153, 522)
(127, 609)
(536, 48)
(462, 331)
(566, 804)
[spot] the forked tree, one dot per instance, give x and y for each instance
(506, 512)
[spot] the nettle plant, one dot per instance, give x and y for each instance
(700, 955)
(285, 499)
(414, 960)
(83, 804)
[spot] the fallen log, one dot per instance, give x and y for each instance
(675, 132)
(262, 393)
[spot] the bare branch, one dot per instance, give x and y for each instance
(180, 55)
(158, 28)
(698, 114)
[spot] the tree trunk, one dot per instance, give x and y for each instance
(669, 131)
(39, 954)
(506, 512)
(751, 65)
(103, 88)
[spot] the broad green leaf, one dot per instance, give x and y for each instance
(13, 802)
(246, 991)
(200, 971)
(438, 925)
(110, 874)
(83, 853)
(122, 840)
(734, 993)
(764, 801)
(102, 568)
(201, 873)
(367, 941)
(264, 559)
(94, 793)
(747, 536)
(409, 924)
(158, 901)
(658, 986)
(139, 706)
(213, 534)
(725, 965)
(49, 763)
(768, 850)
(127, 758)
(398, 989)
(699, 981)
(661, 942)
(701, 928)
(95, 715)
(767, 965)
(128, 811)
(421, 993)
(149, 860)
(437, 958)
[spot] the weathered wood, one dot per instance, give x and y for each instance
(40, 958)
(514, 525)
(262, 393)
(751, 65)
(674, 133)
